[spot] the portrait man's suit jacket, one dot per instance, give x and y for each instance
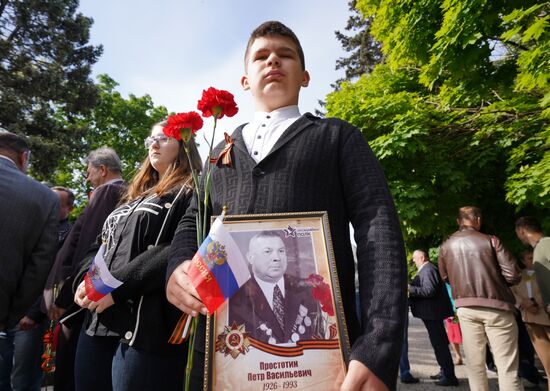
(428, 295)
(250, 307)
(325, 165)
(29, 213)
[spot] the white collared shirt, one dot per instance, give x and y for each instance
(268, 287)
(262, 133)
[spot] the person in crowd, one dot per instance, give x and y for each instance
(480, 270)
(272, 304)
(28, 345)
(452, 326)
(529, 301)
(66, 206)
(125, 334)
(529, 231)
(405, 375)
(287, 162)
(28, 239)
(430, 302)
(104, 174)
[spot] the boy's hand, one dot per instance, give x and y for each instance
(181, 293)
(361, 378)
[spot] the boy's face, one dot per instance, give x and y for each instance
(274, 73)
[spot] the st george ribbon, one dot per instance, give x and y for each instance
(218, 269)
(99, 282)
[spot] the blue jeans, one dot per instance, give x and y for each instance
(20, 359)
(136, 370)
(94, 358)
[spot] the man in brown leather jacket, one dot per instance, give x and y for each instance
(480, 271)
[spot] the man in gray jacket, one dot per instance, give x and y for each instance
(28, 239)
(480, 271)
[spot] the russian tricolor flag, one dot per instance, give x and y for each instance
(98, 281)
(218, 269)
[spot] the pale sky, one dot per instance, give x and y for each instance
(173, 49)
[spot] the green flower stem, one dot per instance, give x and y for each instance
(207, 181)
(213, 134)
(202, 222)
(206, 200)
(197, 189)
(190, 350)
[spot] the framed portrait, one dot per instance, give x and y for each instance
(284, 328)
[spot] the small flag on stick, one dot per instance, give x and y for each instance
(99, 282)
(218, 269)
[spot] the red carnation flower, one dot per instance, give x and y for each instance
(183, 125)
(217, 103)
(321, 292)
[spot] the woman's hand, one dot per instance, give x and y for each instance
(80, 297)
(83, 301)
(102, 304)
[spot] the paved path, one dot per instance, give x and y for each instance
(423, 364)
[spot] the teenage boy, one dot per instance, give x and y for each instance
(286, 162)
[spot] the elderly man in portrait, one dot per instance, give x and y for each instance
(274, 306)
(28, 239)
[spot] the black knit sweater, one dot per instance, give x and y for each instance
(326, 165)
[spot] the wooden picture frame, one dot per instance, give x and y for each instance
(248, 345)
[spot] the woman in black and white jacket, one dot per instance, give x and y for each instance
(126, 332)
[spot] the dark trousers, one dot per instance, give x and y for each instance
(94, 359)
(67, 340)
(404, 366)
(440, 344)
(134, 370)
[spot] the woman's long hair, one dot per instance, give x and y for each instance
(146, 181)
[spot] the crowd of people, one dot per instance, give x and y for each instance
(500, 305)
(145, 232)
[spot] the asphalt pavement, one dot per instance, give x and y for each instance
(423, 363)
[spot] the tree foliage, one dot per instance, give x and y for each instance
(457, 113)
(117, 122)
(364, 51)
(45, 63)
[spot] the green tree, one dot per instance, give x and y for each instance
(117, 122)
(452, 114)
(45, 63)
(364, 51)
